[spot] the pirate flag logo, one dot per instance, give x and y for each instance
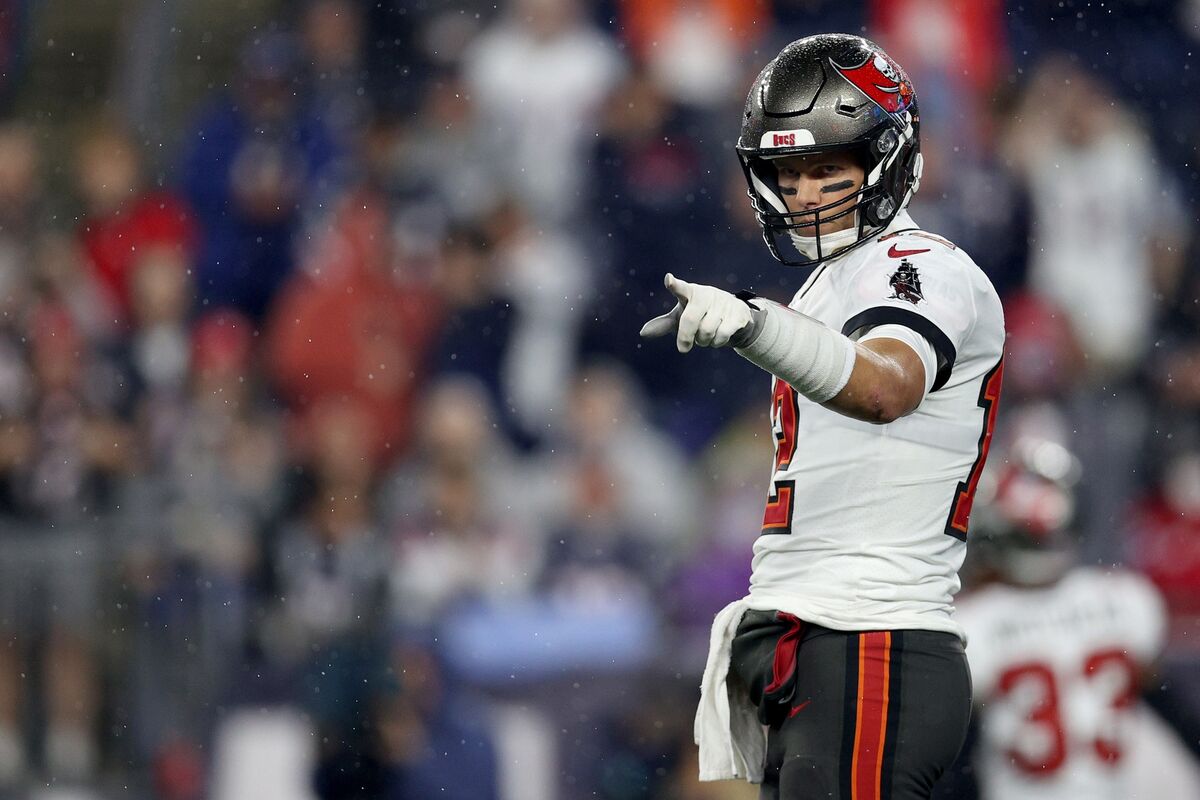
(882, 80)
(906, 283)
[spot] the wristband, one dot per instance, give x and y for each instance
(815, 360)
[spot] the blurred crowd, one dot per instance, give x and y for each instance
(332, 466)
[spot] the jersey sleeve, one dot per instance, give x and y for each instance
(920, 345)
(924, 289)
(1147, 614)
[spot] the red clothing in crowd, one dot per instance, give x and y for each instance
(114, 243)
(1165, 545)
(346, 330)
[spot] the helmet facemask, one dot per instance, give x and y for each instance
(823, 93)
(794, 237)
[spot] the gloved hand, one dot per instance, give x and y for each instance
(705, 316)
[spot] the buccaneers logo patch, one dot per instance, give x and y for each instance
(906, 283)
(882, 80)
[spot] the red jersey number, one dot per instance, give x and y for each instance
(964, 496)
(1040, 746)
(785, 408)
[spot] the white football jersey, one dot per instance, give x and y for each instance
(866, 524)
(1055, 674)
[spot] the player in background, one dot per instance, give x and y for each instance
(1058, 651)
(886, 371)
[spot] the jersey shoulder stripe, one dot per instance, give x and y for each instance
(891, 315)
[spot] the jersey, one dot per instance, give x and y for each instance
(1055, 675)
(866, 524)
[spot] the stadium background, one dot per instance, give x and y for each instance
(331, 464)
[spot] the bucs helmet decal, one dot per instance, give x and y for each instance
(882, 80)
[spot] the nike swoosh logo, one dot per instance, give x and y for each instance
(894, 253)
(796, 710)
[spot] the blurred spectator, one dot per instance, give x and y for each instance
(617, 494)
(650, 178)
(67, 443)
(330, 558)
(513, 296)
(539, 78)
(160, 289)
(126, 223)
(1045, 376)
(479, 319)
(255, 162)
(717, 566)
(1106, 229)
(21, 199)
(194, 524)
(1106, 247)
(1164, 542)
(694, 50)
(1044, 359)
(330, 564)
(640, 740)
(443, 155)
(413, 42)
(460, 537)
(62, 452)
(60, 276)
(980, 205)
(431, 738)
(547, 279)
(332, 35)
(956, 49)
(353, 325)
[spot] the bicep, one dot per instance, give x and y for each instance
(887, 382)
(911, 379)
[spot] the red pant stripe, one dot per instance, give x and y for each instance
(874, 677)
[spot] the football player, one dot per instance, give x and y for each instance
(1058, 651)
(842, 674)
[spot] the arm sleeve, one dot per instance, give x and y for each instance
(929, 293)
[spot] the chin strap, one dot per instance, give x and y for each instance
(830, 242)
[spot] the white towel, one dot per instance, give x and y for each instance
(733, 743)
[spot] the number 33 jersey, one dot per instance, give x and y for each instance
(1055, 673)
(866, 525)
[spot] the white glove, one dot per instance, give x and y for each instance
(705, 316)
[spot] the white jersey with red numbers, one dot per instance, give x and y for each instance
(866, 524)
(1055, 673)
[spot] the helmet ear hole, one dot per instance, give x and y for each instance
(878, 210)
(884, 208)
(886, 141)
